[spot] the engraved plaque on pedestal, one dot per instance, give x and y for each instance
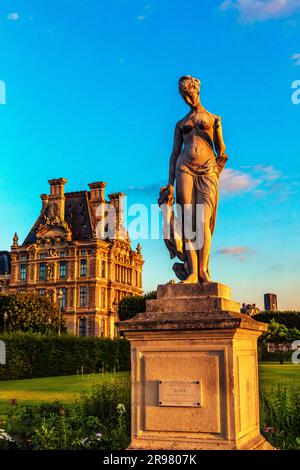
(187, 394)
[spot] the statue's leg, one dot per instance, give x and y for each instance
(204, 252)
(185, 195)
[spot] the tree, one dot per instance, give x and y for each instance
(293, 335)
(131, 306)
(28, 311)
(279, 335)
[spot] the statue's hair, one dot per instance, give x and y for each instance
(187, 81)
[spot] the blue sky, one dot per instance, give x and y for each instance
(91, 94)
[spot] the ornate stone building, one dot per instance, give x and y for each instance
(4, 271)
(66, 256)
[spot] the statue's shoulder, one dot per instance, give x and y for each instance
(216, 120)
(212, 115)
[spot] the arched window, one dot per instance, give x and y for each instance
(82, 327)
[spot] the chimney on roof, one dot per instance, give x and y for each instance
(57, 198)
(97, 199)
(116, 200)
(97, 192)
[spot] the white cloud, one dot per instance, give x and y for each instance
(261, 10)
(268, 172)
(238, 252)
(234, 250)
(13, 16)
(234, 181)
(141, 18)
(259, 180)
(296, 59)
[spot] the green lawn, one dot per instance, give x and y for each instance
(67, 388)
(64, 389)
(271, 374)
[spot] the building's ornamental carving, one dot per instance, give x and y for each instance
(54, 230)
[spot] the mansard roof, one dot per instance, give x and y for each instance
(77, 215)
(4, 263)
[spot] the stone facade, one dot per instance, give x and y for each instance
(4, 271)
(65, 256)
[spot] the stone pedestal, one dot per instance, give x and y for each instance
(194, 371)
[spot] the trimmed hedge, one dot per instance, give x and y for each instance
(33, 355)
(278, 356)
(289, 319)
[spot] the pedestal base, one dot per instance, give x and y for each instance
(194, 372)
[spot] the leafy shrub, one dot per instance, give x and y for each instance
(34, 355)
(276, 356)
(280, 417)
(99, 420)
(111, 404)
(102, 402)
(131, 306)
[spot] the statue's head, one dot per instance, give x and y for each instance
(189, 88)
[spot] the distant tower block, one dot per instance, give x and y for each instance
(271, 302)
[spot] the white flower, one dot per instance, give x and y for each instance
(121, 409)
(88, 440)
(85, 441)
(4, 436)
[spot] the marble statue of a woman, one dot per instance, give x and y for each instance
(196, 162)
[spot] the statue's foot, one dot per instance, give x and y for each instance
(191, 279)
(205, 277)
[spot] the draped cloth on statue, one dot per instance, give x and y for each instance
(205, 180)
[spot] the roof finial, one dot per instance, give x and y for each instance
(15, 240)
